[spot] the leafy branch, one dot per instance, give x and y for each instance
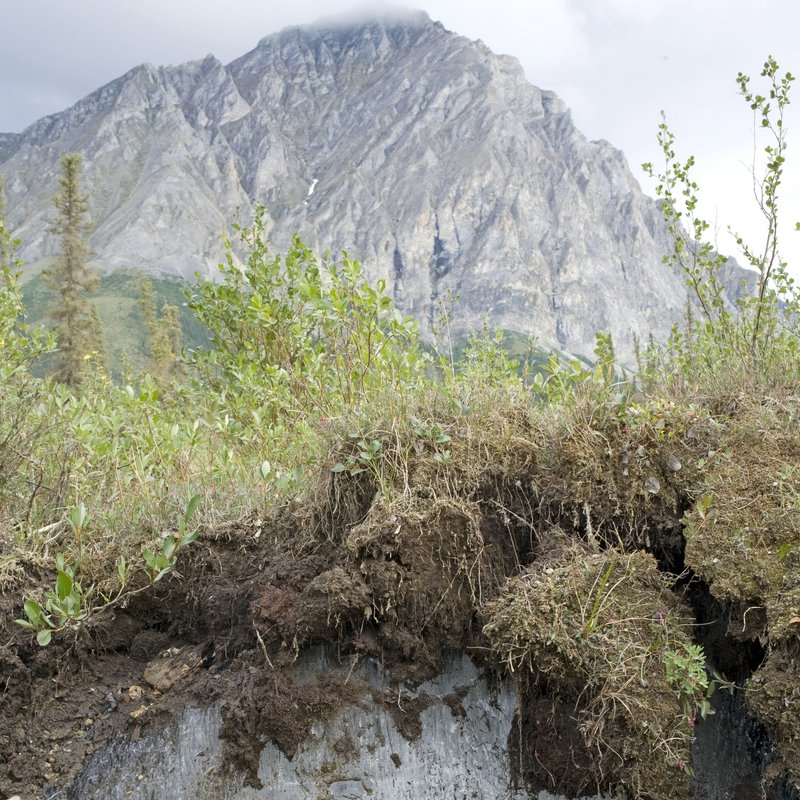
(69, 604)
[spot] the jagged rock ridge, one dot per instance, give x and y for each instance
(425, 155)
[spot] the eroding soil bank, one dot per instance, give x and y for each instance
(555, 553)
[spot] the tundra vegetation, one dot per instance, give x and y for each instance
(569, 525)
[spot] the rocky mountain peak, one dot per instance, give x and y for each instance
(425, 155)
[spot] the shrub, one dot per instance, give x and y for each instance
(755, 337)
(294, 337)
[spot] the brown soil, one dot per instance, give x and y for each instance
(547, 748)
(61, 702)
(405, 710)
(280, 708)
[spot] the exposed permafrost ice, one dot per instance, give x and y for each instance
(358, 753)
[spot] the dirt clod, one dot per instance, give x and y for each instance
(164, 672)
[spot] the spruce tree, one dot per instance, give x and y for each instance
(96, 335)
(147, 305)
(75, 318)
(5, 247)
(164, 331)
(167, 345)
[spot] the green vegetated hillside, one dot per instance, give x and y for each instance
(312, 474)
(127, 342)
(118, 301)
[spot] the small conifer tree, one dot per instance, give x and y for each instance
(167, 344)
(164, 330)
(5, 247)
(76, 321)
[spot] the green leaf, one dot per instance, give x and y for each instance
(44, 637)
(78, 516)
(150, 559)
(70, 605)
(162, 573)
(168, 548)
(33, 611)
(192, 506)
(64, 584)
(188, 538)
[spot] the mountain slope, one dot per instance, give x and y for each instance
(422, 153)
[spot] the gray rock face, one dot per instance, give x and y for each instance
(422, 153)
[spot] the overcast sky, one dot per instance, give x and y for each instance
(616, 63)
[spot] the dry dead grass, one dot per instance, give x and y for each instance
(743, 536)
(591, 628)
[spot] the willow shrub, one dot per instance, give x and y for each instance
(296, 336)
(753, 339)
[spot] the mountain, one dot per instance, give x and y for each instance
(423, 154)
